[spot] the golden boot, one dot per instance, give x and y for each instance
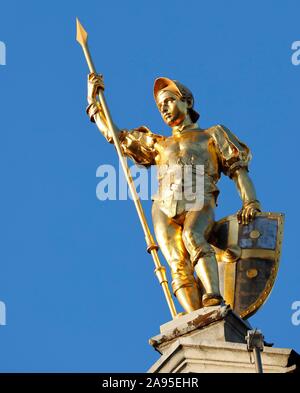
(189, 298)
(206, 269)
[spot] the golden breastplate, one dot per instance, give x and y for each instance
(189, 148)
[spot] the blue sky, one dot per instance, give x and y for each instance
(78, 285)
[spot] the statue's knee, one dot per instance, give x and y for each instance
(182, 275)
(178, 283)
(179, 267)
(204, 250)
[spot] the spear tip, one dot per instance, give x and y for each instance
(81, 34)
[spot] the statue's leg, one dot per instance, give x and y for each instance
(169, 237)
(196, 231)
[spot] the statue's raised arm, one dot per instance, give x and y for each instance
(137, 144)
(94, 110)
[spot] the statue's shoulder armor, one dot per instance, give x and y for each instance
(222, 136)
(232, 152)
(217, 130)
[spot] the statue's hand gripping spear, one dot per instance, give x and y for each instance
(152, 248)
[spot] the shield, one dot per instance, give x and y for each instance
(248, 259)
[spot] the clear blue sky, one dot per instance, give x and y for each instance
(77, 283)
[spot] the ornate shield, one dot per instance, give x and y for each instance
(248, 259)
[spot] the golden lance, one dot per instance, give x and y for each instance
(152, 247)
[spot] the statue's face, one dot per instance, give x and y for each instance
(172, 108)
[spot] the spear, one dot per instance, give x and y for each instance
(152, 247)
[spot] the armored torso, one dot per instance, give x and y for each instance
(204, 153)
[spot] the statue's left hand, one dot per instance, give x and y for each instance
(248, 212)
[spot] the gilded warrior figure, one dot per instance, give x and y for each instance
(183, 232)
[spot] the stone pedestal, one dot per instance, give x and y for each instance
(212, 340)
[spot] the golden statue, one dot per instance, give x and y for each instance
(182, 233)
(235, 259)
